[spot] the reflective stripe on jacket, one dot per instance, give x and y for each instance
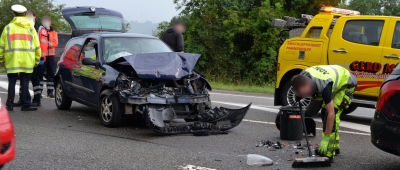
(48, 41)
(19, 46)
(322, 75)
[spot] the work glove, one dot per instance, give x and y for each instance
(41, 62)
(323, 146)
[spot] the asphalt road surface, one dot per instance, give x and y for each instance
(75, 139)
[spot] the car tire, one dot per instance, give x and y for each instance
(349, 110)
(111, 111)
(63, 102)
(313, 106)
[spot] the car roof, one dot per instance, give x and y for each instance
(60, 33)
(117, 34)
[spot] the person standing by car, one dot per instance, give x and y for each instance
(173, 37)
(49, 39)
(334, 85)
(38, 71)
(20, 53)
(31, 16)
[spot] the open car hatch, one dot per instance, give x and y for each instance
(84, 20)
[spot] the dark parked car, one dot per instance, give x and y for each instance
(385, 126)
(120, 73)
(63, 38)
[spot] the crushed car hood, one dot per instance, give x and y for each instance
(168, 65)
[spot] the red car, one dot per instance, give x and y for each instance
(7, 137)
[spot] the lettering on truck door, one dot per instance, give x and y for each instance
(357, 44)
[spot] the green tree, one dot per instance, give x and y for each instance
(390, 7)
(312, 7)
(366, 7)
(41, 7)
(235, 37)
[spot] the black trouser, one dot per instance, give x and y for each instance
(37, 83)
(24, 83)
(49, 64)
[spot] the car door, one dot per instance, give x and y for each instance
(89, 76)
(357, 44)
(391, 50)
(68, 63)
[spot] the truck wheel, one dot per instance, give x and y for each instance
(111, 111)
(351, 108)
(63, 102)
(288, 99)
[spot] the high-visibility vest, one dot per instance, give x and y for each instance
(19, 46)
(322, 75)
(48, 41)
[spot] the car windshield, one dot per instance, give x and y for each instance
(115, 48)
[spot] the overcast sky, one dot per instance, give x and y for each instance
(139, 10)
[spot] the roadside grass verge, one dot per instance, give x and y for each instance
(268, 88)
(2, 69)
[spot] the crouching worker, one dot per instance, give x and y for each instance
(334, 85)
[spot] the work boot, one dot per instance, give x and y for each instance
(10, 108)
(51, 95)
(18, 104)
(35, 104)
(29, 109)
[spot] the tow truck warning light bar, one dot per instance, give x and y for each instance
(339, 11)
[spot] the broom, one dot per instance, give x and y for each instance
(311, 160)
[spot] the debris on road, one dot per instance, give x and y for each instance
(270, 144)
(258, 160)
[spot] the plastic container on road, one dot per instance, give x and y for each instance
(258, 160)
(291, 126)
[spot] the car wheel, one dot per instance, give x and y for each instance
(111, 111)
(351, 108)
(63, 102)
(288, 99)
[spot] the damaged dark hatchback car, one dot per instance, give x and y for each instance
(120, 73)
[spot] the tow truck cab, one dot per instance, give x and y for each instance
(368, 46)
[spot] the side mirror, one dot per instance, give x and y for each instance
(88, 61)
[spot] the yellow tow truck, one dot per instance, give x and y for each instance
(368, 46)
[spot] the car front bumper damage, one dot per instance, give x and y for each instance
(162, 115)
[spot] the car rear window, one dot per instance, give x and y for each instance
(115, 48)
(62, 40)
(97, 22)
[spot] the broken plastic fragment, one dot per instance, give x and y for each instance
(258, 160)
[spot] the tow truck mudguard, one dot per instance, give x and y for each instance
(277, 97)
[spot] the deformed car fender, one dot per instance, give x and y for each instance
(107, 92)
(110, 76)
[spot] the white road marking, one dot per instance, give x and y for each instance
(240, 95)
(194, 167)
(345, 124)
(4, 85)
